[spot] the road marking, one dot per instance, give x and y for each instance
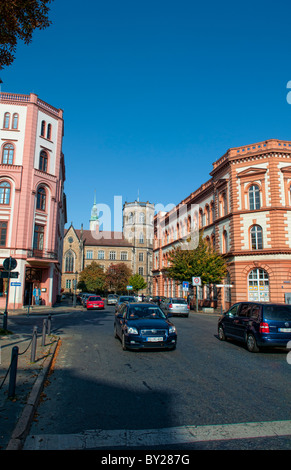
(95, 439)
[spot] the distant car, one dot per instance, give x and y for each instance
(176, 306)
(257, 324)
(158, 299)
(112, 299)
(144, 326)
(94, 302)
(85, 298)
(122, 299)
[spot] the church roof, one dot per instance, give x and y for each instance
(106, 238)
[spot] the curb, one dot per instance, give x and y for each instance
(23, 425)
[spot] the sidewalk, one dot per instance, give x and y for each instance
(17, 412)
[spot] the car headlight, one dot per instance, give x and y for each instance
(172, 329)
(132, 331)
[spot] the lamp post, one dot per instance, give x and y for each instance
(75, 286)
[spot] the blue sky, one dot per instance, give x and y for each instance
(154, 91)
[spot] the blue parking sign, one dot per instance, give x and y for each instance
(185, 285)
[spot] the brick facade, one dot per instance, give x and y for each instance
(245, 212)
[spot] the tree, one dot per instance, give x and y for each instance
(117, 276)
(137, 282)
(202, 262)
(92, 278)
(19, 19)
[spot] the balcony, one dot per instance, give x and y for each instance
(42, 255)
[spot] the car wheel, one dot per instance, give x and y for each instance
(251, 343)
(221, 334)
(123, 342)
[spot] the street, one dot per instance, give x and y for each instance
(200, 396)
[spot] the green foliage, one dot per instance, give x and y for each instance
(92, 278)
(137, 282)
(19, 19)
(202, 262)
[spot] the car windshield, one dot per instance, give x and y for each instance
(126, 299)
(179, 301)
(277, 312)
(92, 299)
(145, 311)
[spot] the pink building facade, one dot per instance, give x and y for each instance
(32, 199)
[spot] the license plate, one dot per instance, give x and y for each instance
(155, 339)
(284, 330)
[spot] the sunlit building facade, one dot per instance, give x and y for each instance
(32, 199)
(244, 211)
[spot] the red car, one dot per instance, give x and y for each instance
(94, 302)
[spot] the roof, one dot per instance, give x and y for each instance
(106, 238)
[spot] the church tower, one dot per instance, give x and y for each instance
(94, 222)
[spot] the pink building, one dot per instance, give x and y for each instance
(32, 201)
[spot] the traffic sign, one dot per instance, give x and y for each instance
(9, 264)
(16, 284)
(196, 281)
(185, 285)
(6, 274)
(128, 287)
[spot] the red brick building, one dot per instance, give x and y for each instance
(244, 210)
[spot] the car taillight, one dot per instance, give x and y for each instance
(188, 306)
(264, 328)
(170, 306)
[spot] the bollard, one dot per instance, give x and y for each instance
(44, 326)
(13, 371)
(33, 344)
(49, 324)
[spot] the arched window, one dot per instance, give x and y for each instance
(254, 197)
(141, 218)
(225, 241)
(43, 161)
(8, 154)
(256, 237)
(49, 131)
(258, 285)
(6, 121)
(40, 199)
(69, 262)
(15, 121)
(130, 218)
(4, 192)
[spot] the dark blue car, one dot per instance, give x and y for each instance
(141, 325)
(257, 325)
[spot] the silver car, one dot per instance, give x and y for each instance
(112, 299)
(175, 306)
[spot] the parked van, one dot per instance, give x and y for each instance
(257, 324)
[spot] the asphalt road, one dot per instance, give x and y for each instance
(99, 396)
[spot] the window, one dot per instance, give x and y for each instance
(256, 237)
(40, 199)
(6, 121)
(123, 255)
(225, 242)
(38, 238)
(8, 154)
(112, 255)
(141, 218)
(49, 131)
(89, 254)
(4, 192)
(254, 197)
(69, 262)
(141, 239)
(130, 218)
(258, 285)
(43, 160)
(68, 283)
(42, 129)
(101, 254)
(3, 233)
(140, 256)
(15, 121)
